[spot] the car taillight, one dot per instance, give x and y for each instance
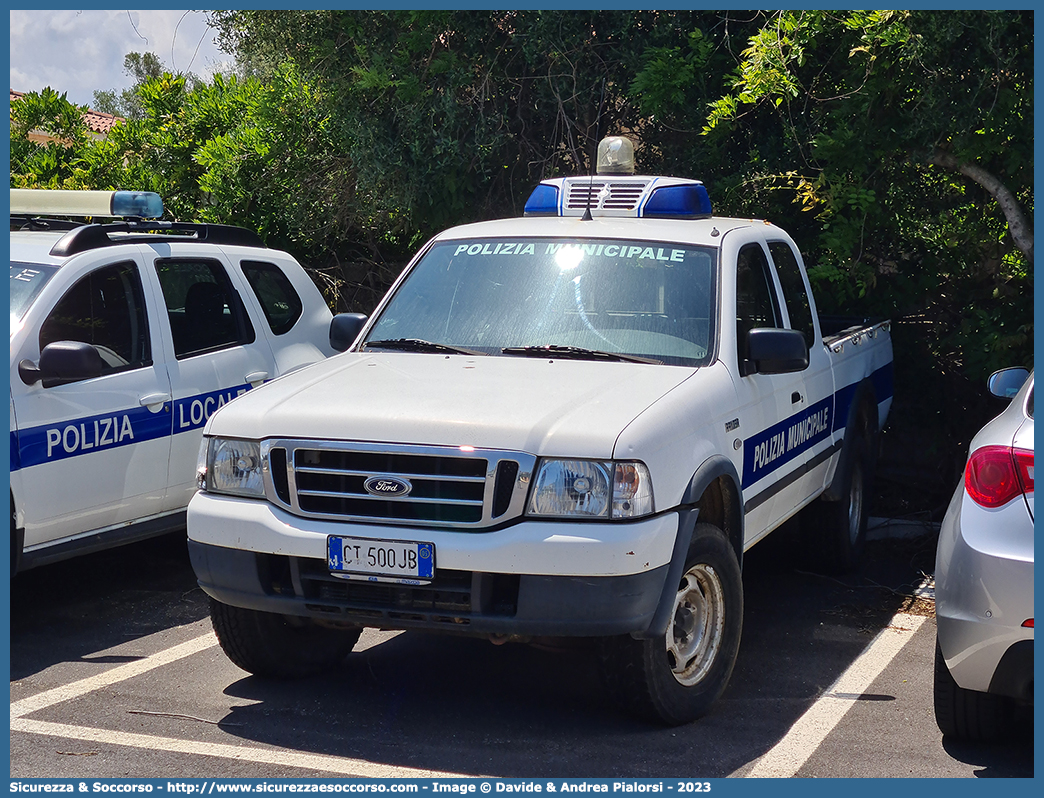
(997, 474)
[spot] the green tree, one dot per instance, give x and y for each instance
(51, 164)
(141, 67)
(905, 139)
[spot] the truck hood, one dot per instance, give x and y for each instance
(546, 407)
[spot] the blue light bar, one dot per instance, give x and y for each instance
(543, 201)
(143, 204)
(678, 202)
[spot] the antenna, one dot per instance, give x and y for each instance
(590, 183)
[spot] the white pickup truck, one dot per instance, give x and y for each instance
(125, 337)
(568, 424)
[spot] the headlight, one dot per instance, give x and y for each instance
(231, 466)
(591, 489)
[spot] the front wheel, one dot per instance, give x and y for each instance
(278, 646)
(676, 678)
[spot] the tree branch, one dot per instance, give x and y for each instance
(1018, 225)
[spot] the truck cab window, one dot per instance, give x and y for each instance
(107, 310)
(794, 293)
(756, 303)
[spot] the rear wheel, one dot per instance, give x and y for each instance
(279, 646)
(676, 678)
(838, 528)
(967, 714)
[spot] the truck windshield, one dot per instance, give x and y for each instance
(26, 281)
(645, 299)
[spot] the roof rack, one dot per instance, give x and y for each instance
(95, 236)
(24, 222)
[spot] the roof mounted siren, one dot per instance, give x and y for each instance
(617, 191)
(63, 202)
(615, 156)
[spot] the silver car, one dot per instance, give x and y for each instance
(984, 575)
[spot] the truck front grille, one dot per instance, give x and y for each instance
(380, 483)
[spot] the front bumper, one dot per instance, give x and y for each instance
(984, 594)
(532, 579)
(469, 602)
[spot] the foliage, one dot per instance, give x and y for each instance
(141, 67)
(48, 165)
(869, 101)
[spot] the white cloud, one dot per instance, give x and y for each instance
(79, 52)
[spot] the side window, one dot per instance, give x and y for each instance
(202, 307)
(794, 293)
(756, 303)
(107, 310)
(279, 300)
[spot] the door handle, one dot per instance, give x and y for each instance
(256, 378)
(149, 400)
(795, 398)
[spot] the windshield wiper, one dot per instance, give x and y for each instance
(575, 353)
(419, 345)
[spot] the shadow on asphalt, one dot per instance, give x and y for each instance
(463, 705)
(73, 609)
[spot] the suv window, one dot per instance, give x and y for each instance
(794, 293)
(279, 300)
(107, 310)
(202, 307)
(756, 303)
(27, 280)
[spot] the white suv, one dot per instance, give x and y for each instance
(125, 338)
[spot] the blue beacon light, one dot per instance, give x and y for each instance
(143, 204)
(543, 201)
(678, 202)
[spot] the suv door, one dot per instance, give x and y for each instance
(214, 350)
(93, 453)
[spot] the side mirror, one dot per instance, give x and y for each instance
(771, 350)
(344, 329)
(63, 362)
(1007, 382)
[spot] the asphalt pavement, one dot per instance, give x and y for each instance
(115, 673)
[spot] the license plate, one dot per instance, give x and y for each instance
(396, 559)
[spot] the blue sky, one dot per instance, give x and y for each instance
(78, 52)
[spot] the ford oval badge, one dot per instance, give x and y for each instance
(387, 486)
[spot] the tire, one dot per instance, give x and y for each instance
(676, 678)
(838, 528)
(967, 714)
(278, 646)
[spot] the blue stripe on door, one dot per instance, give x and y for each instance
(49, 443)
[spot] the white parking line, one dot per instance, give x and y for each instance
(112, 676)
(270, 756)
(265, 756)
(806, 735)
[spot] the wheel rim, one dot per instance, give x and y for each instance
(855, 503)
(697, 625)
